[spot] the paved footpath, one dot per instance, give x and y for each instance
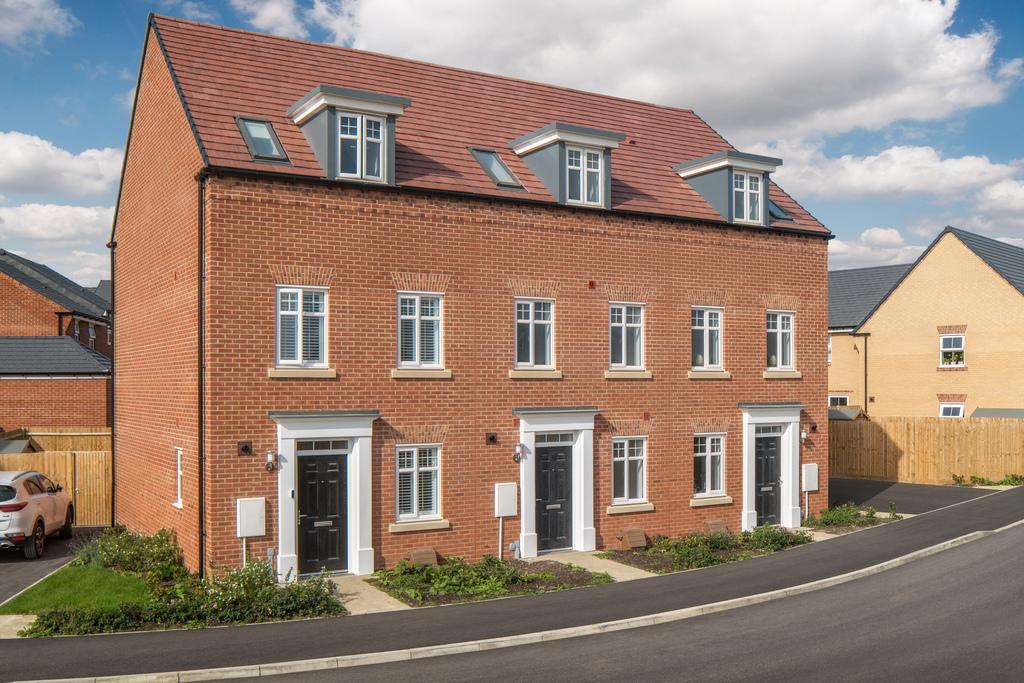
(178, 650)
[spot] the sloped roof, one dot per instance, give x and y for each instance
(844, 413)
(1004, 413)
(853, 294)
(1005, 259)
(62, 291)
(49, 356)
(224, 72)
(102, 290)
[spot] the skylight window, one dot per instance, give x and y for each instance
(495, 167)
(261, 140)
(777, 212)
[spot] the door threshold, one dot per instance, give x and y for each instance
(337, 572)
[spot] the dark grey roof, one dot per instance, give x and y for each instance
(62, 291)
(49, 356)
(853, 294)
(728, 154)
(844, 413)
(102, 290)
(19, 446)
(1006, 413)
(1005, 259)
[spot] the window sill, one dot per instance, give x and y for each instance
(626, 508)
(530, 373)
(708, 374)
(302, 373)
(419, 525)
(627, 374)
(421, 373)
(951, 368)
(178, 505)
(781, 374)
(710, 500)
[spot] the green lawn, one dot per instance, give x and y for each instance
(79, 586)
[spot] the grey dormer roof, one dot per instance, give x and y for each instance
(338, 91)
(64, 292)
(854, 294)
(570, 128)
(102, 290)
(49, 356)
(731, 155)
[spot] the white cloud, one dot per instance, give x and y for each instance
(126, 99)
(271, 16)
(196, 11)
(32, 165)
(874, 247)
(24, 24)
(894, 172)
(50, 222)
(757, 71)
(1006, 196)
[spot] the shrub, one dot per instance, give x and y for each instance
(155, 558)
(488, 578)
(839, 515)
(774, 538)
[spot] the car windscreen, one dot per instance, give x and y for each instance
(7, 493)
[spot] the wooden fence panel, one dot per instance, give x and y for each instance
(86, 475)
(926, 450)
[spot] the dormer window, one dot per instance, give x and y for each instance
(583, 176)
(747, 197)
(361, 146)
(261, 140)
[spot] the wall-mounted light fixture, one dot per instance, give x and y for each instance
(271, 461)
(518, 454)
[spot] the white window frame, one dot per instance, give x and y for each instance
(953, 405)
(844, 397)
(778, 331)
(418, 317)
(533, 322)
(360, 138)
(584, 182)
(962, 350)
(299, 362)
(92, 336)
(624, 365)
(747, 192)
(705, 328)
(178, 503)
(717, 493)
(625, 440)
(829, 356)
(416, 469)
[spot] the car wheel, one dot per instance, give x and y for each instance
(34, 545)
(69, 519)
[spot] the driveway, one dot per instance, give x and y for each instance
(910, 498)
(17, 573)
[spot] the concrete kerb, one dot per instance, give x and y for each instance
(347, 661)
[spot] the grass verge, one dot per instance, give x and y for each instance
(79, 586)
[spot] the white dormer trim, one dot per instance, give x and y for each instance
(324, 100)
(570, 137)
(746, 165)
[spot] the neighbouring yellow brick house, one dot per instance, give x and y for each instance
(941, 337)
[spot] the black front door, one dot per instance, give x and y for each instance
(554, 497)
(766, 479)
(322, 524)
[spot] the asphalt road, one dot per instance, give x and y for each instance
(17, 573)
(910, 498)
(177, 650)
(954, 616)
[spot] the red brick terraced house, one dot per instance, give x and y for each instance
(356, 292)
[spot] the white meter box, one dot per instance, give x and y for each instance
(810, 476)
(506, 500)
(251, 516)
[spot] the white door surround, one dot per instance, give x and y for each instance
(786, 415)
(580, 422)
(355, 426)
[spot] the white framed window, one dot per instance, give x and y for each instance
(829, 356)
(747, 197)
(361, 146)
(301, 326)
(74, 327)
(838, 400)
(110, 335)
(177, 477)
(420, 330)
(535, 343)
(951, 351)
(708, 453)
(779, 327)
(417, 481)
(706, 338)
(951, 410)
(584, 171)
(626, 336)
(629, 470)
(92, 336)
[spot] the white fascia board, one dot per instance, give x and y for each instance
(715, 164)
(581, 139)
(324, 100)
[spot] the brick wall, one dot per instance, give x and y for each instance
(24, 312)
(54, 402)
(101, 339)
(364, 241)
(156, 358)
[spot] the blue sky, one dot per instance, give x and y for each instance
(893, 117)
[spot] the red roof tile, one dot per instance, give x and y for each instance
(224, 72)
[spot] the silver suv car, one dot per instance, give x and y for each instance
(31, 508)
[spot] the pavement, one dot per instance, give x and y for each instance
(267, 643)
(909, 498)
(17, 573)
(362, 598)
(947, 617)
